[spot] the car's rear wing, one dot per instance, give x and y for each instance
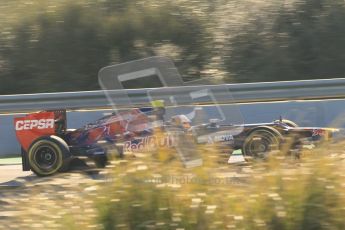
(35, 125)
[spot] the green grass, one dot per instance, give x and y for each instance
(10, 160)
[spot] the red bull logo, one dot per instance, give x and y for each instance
(149, 143)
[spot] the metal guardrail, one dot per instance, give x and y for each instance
(240, 93)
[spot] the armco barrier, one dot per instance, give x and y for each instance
(247, 92)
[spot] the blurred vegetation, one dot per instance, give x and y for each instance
(61, 46)
(303, 40)
(53, 45)
(278, 194)
(155, 192)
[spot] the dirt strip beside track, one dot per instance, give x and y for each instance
(10, 172)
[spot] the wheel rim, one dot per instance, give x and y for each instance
(261, 144)
(45, 157)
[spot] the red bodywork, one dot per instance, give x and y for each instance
(36, 125)
(33, 126)
(111, 128)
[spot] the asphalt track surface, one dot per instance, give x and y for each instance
(12, 175)
(22, 192)
(10, 172)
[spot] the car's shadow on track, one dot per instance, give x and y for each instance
(86, 170)
(77, 167)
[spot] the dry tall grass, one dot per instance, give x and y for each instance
(280, 193)
(156, 192)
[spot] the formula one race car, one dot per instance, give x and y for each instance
(48, 146)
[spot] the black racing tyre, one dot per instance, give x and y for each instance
(48, 155)
(288, 123)
(261, 142)
(100, 161)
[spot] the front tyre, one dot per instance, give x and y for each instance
(261, 142)
(48, 155)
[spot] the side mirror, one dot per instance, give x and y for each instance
(213, 123)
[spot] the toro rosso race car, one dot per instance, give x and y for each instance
(48, 146)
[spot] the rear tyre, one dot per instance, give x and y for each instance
(48, 155)
(261, 142)
(100, 161)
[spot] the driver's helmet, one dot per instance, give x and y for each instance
(158, 109)
(181, 121)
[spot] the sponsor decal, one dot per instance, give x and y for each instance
(318, 132)
(34, 124)
(223, 138)
(149, 143)
(213, 138)
(220, 138)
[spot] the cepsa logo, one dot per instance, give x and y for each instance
(34, 124)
